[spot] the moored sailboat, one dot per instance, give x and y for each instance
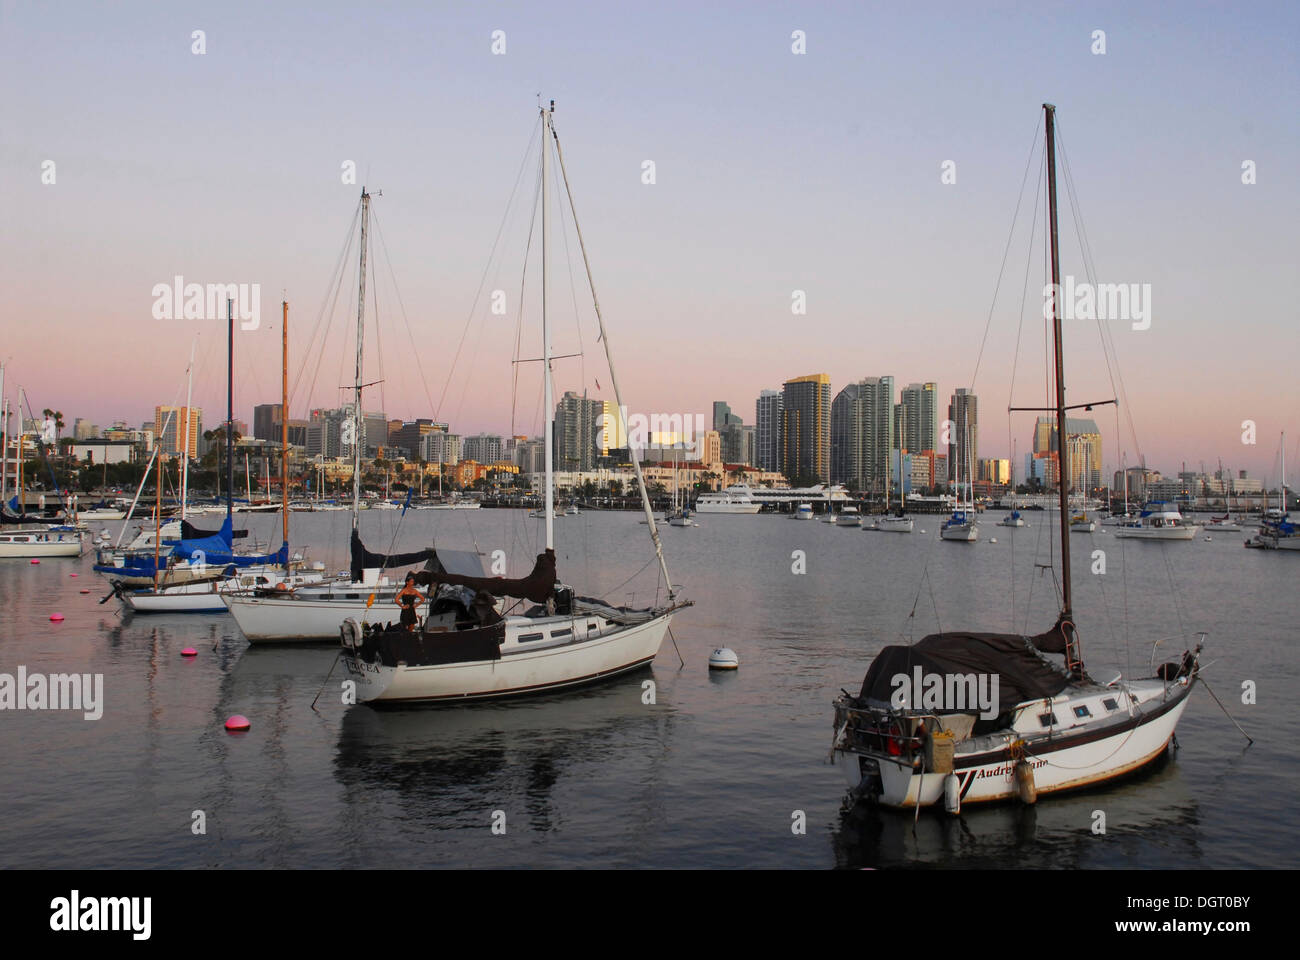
(929, 726)
(465, 648)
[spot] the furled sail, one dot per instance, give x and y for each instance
(538, 586)
(363, 558)
(217, 550)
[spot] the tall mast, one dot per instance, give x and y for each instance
(548, 400)
(284, 424)
(185, 455)
(230, 410)
(613, 380)
(4, 434)
(1072, 659)
(361, 319)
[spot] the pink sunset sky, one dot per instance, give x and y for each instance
(774, 172)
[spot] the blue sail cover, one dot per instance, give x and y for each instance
(217, 550)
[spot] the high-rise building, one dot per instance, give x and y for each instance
(578, 431)
(172, 439)
(767, 430)
(862, 428)
(963, 439)
(83, 429)
(482, 448)
(266, 421)
(919, 416)
(722, 415)
(439, 446)
(806, 429)
(1083, 447)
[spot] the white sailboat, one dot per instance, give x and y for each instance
(313, 613)
(896, 522)
(465, 650)
(1045, 730)
(1276, 531)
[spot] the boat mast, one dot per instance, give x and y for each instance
(361, 317)
(185, 451)
(284, 426)
(230, 411)
(1073, 661)
(613, 378)
(548, 400)
(4, 435)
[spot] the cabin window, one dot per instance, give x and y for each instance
(591, 626)
(353, 596)
(1047, 719)
(1082, 712)
(566, 632)
(1110, 704)
(526, 637)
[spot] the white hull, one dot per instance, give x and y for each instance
(963, 533)
(36, 544)
(704, 506)
(1011, 523)
(176, 601)
(1087, 526)
(1057, 766)
(516, 673)
(1158, 533)
(891, 525)
(306, 620)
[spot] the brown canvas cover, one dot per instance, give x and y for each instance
(537, 586)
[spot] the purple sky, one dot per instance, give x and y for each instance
(775, 172)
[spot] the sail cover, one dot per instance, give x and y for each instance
(1022, 674)
(363, 558)
(191, 532)
(537, 586)
(217, 550)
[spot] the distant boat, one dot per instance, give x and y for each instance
(45, 542)
(849, 517)
(802, 512)
(1157, 523)
(1083, 523)
(737, 498)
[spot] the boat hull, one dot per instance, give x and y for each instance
(38, 545)
(1158, 533)
(302, 620)
(513, 674)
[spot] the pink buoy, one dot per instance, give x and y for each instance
(34, 562)
(72, 574)
(191, 652)
(238, 723)
(84, 590)
(56, 617)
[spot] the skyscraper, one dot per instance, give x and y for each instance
(767, 430)
(172, 439)
(1083, 444)
(963, 438)
(919, 417)
(806, 429)
(862, 430)
(578, 423)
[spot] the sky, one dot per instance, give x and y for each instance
(775, 172)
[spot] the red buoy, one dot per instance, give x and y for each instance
(35, 561)
(191, 652)
(84, 590)
(56, 617)
(72, 574)
(238, 723)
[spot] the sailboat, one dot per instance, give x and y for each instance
(1013, 519)
(1043, 729)
(214, 552)
(313, 612)
(1276, 531)
(465, 649)
(681, 515)
(897, 522)
(961, 526)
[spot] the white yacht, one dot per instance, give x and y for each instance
(802, 512)
(737, 498)
(40, 542)
(1158, 523)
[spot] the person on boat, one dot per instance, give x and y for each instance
(407, 598)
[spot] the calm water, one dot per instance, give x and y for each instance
(708, 776)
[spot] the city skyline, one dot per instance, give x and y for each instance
(846, 178)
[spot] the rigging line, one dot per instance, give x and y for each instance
(486, 268)
(1109, 353)
(379, 344)
(519, 313)
(1006, 250)
(336, 281)
(573, 290)
(415, 352)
